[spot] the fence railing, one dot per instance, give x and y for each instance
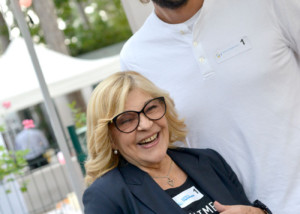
(48, 191)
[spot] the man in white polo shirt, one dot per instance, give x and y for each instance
(233, 69)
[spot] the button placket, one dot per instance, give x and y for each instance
(202, 60)
(183, 30)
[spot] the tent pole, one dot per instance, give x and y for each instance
(58, 131)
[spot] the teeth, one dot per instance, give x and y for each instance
(150, 139)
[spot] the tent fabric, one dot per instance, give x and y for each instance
(63, 74)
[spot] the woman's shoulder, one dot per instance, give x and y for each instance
(106, 185)
(204, 155)
(208, 157)
(107, 181)
(105, 194)
(195, 151)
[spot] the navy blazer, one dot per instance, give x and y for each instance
(129, 190)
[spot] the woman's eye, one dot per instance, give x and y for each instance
(151, 108)
(124, 121)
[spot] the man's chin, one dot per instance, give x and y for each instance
(170, 4)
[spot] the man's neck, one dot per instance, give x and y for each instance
(179, 15)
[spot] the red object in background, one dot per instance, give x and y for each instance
(61, 158)
(6, 104)
(28, 124)
(25, 3)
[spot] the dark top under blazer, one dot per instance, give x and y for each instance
(129, 190)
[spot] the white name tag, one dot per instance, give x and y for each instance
(239, 46)
(187, 197)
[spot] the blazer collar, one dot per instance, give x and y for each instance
(149, 193)
(147, 190)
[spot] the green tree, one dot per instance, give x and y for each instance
(4, 40)
(54, 38)
(12, 162)
(89, 24)
(79, 116)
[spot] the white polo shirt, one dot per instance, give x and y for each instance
(236, 80)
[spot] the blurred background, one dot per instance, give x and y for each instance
(72, 27)
(77, 43)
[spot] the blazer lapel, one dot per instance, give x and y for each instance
(144, 188)
(203, 174)
(198, 167)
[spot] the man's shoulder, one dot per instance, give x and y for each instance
(142, 35)
(146, 38)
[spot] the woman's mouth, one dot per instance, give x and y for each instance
(149, 140)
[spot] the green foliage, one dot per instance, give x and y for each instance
(2, 128)
(3, 30)
(12, 162)
(23, 188)
(107, 24)
(78, 115)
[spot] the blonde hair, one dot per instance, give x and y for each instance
(108, 100)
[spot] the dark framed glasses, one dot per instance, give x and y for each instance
(128, 121)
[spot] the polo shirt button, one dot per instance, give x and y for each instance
(202, 60)
(195, 43)
(182, 32)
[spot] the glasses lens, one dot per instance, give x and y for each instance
(127, 121)
(155, 109)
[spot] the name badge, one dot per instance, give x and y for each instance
(239, 46)
(188, 196)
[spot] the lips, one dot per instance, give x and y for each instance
(149, 140)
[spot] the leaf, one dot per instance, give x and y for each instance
(10, 180)
(23, 189)
(2, 129)
(78, 116)
(11, 162)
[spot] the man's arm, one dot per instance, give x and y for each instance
(288, 14)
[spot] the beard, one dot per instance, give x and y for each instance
(170, 4)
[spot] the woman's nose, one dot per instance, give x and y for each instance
(145, 123)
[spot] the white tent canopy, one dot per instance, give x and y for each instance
(63, 74)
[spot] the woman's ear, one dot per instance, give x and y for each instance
(112, 141)
(113, 145)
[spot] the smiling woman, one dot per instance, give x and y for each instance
(133, 166)
(108, 102)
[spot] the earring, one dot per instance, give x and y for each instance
(115, 152)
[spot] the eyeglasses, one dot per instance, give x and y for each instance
(128, 121)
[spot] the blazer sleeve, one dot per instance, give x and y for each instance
(109, 194)
(95, 201)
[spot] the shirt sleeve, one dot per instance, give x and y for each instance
(288, 15)
(127, 56)
(123, 64)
